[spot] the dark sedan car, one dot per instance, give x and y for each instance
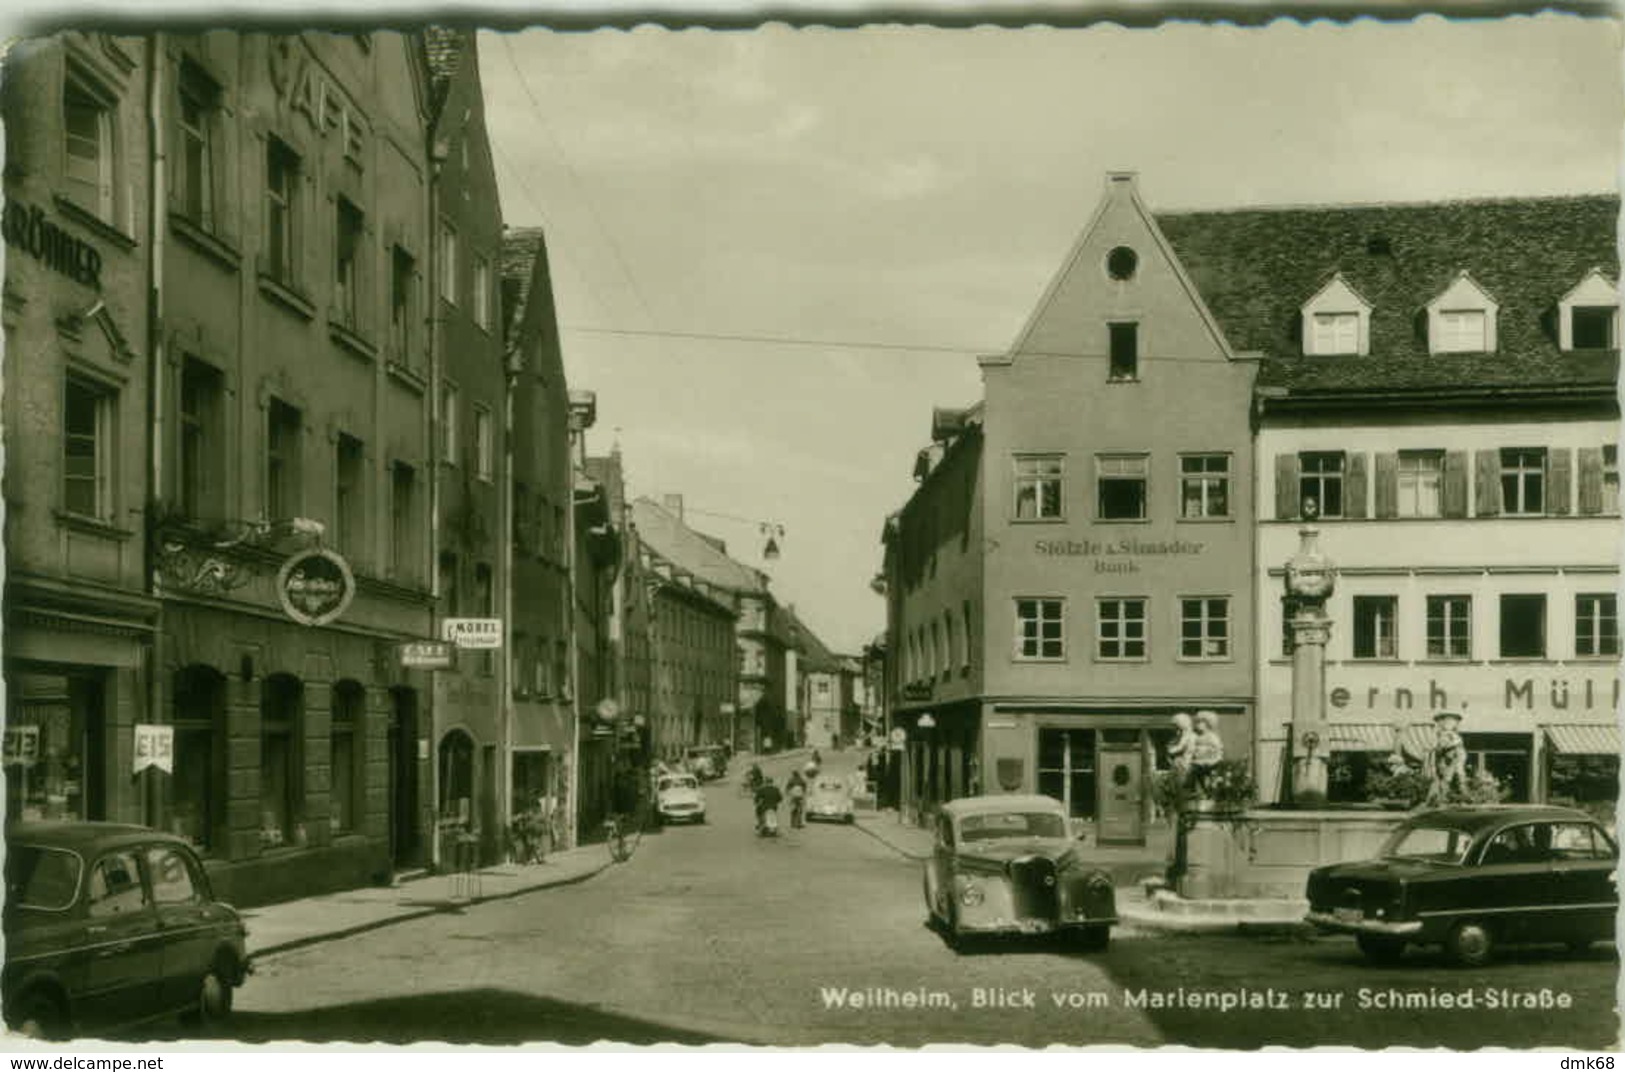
(1472, 878)
(110, 925)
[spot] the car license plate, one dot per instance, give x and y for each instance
(1348, 915)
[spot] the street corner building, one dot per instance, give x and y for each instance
(1099, 542)
(257, 442)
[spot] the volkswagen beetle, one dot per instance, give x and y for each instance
(1007, 865)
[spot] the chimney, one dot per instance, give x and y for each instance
(673, 505)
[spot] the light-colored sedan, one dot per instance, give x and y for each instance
(830, 799)
(679, 799)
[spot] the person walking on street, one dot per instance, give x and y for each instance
(796, 790)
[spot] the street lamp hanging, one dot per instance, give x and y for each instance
(772, 533)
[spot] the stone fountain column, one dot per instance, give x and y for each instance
(1310, 579)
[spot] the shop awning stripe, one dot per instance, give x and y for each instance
(1360, 736)
(1584, 739)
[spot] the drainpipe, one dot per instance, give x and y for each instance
(505, 684)
(437, 157)
(156, 219)
(570, 606)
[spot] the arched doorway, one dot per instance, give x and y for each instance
(403, 777)
(456, 778)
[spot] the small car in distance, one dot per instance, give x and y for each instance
(679, 799)
(705, 762)
(830, 799)
(1007, 865)
(1473, 878)
(109, 925)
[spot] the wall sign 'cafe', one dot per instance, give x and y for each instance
(315, 587)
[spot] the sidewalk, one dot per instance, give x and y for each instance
(290, 925)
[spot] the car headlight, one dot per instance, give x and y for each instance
(971, 895)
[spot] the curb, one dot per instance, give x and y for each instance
(421, 913)
(888, 842)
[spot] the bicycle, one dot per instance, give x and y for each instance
(621, 843)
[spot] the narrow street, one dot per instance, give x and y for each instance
(709, 933)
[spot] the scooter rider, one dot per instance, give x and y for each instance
(768, 798)
(796, 790)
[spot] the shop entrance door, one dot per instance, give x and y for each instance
(403, 777)
(1122, 778)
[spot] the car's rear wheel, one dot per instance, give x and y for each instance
(1470, 944)
(40, 1015)
(1380, 950)
(214, 996)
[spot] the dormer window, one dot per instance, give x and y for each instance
(1588, 315)
(1461, 320)
(1337, 320)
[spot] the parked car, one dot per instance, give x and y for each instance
(705, 762)
(1473, 878)
(109, 925)
(830, 798)
(679, 799)
(1006, 865)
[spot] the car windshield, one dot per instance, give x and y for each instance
(831, 786)
(1012, 824)
(38, 877)
(678, 783)
(1441, 844)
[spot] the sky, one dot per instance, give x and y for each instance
(775, 250)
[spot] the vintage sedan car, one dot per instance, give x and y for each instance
(705, 762)
(1007, 865)
(679, 799)
(830, 799)
(109, 925)
(1473, 878)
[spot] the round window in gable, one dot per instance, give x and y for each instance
(1121, 263)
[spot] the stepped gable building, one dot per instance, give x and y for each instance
(1441, 380)
(80, 618)
(470, 477)
(1074, 565)
(540, 623)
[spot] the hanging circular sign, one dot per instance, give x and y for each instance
(315, 587)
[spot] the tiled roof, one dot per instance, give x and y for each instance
(815, 655)
(521, 246)
(680, 545)
(606, 470)
(1255, 268)
(444, 50)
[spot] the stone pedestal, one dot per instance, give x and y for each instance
(1310, 631)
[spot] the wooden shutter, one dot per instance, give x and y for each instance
(1387, 486)
(1354, 485)
(1487, 476)
(1455, 484)
(1590, 480)
(1286, 487)
(1559, 477)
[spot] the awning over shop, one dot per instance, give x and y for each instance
(1360, 737)
(1417, 740)
(1584, 739)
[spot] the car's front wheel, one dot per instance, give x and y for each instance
(1470, 944)
(214, 997)
(39, 1015)
(1380, 950)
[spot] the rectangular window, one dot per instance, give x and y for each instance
(448, 424)
(349, 708)
(1523, 626)
(402, 519)
(1421, 483)
(448, 263)
(349, 465)
(1321, 479)
(1596, 624)
(483, 445)
(1450, 627)
(1463, 331)
(1125, 351)
(1335, 333)
(200, 439)
(87, 130)
(1039, 629)
(1204, 485)
(348, 235)
(482, 293)
(1523, 481)
(1204, 628)
(281, 699)
(1120, 629)
(1038, 487)
(485, 607)
(87, 444)
(402, 275)
(964, 609)
(1121, 486)
(194, 171)
(1592, 327)
(1374, 627)
(282, 434)
(281, 211)
(1610, 478)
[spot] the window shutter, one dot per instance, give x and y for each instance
(1354, 484)
(1559, 477)
(1487, 475)
(1455, 484)
(1387, 486)
(1286, 487)
(1590, 480)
